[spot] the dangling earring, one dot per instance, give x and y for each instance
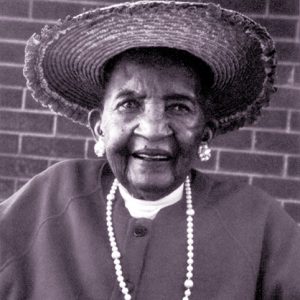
(204, 152)
(99, 147)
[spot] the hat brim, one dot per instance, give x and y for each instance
(63, 64)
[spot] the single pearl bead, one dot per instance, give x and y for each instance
(189, 230)
(190, 219)
(190, 248)
(190, 242)
(116, 254)
(190, 261)
(188, 283)
(190, 225)
(127, 297)
(190, 268)
(114, 249)
(190, 212)
(187, 293)
(119, 272)
(110, 197)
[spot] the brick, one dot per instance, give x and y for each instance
(53, 162)
(10, 98)
(288, 51)
(90, 151)
(21, 167)
(30, 103)
(8, 143)
(279, 27)
(294, 166)
(53, 147)
(284, 74)
(236, 139)
(276, 119)
(278, 142)
(55, 10)
(19, 30)
(251, 163)
(246, 6)
(65, 126)
(295, 121)
(297, 75)
(229, 177)
(14, 8)
(293, 209)
(284, 7)
(26, 122)
(6, 187)
(281, 188)
(12, 76)
(286, 98)
(20, 183)
(13, 53)
(207, 165)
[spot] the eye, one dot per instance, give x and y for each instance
(128, 105)
(179, 108)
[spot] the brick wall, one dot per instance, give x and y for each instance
(31, 138)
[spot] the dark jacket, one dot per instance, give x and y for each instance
(54, 245)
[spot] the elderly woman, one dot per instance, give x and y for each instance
(155, 81)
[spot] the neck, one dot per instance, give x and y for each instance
(151, 194)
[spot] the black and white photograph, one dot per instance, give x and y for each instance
(149, 150)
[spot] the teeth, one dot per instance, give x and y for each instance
(152, 157)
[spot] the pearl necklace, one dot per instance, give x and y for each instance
(116, 255)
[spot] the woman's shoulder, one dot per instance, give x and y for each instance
(56, 184)
(236, 198)
(45, 197)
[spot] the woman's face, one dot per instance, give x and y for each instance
(152, 124)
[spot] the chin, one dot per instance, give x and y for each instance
(151, 186)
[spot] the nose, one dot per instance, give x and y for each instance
(153, 125)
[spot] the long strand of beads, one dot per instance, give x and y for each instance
(116, 255)
(190, 239)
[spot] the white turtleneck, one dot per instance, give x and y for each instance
(149, 209)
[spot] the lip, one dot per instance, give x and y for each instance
(152, 155)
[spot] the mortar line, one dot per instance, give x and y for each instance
(30, 8)
(267, 7)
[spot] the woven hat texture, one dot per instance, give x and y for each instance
(63, 63)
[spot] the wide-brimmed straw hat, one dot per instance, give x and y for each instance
(63, 63)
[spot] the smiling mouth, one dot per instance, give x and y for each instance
(152, 155)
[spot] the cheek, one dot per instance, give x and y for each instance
(188, 137)
(115, 135)
(116, 138)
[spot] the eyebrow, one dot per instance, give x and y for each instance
(180, 97)
(123, 93)
(129, 93)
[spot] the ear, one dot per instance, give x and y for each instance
(94, 120)
(209, 131)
